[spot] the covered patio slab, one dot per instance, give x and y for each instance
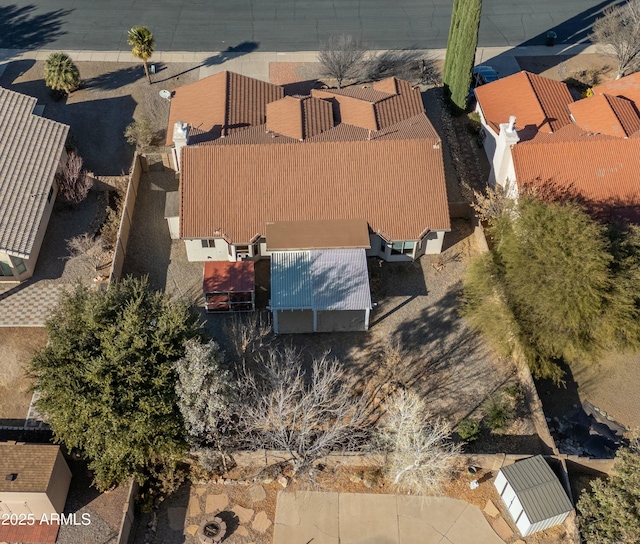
(357, 518)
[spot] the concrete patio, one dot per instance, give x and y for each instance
(355, 518)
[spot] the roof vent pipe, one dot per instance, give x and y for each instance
(512, 123)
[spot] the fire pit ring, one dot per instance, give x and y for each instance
(212, 531)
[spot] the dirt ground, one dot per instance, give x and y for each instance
(112, 95)
(16, 349)
(577, 71)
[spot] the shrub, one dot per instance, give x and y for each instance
(61, 74)
(469, 429)
(139, 133)
(499, 412)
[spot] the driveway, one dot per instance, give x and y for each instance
(356, 518)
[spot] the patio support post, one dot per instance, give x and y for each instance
(315, 320)
(367, 311)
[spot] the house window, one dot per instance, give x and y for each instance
(19, 265)
(50, 195)
(5, 269)
(402, 248)
(208, 243)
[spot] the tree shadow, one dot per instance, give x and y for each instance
(22, 28)
(116, 79)
(231, 52)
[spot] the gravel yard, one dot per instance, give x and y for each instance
(113, 94)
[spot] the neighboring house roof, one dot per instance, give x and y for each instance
(30, 152)
(220, 104)
(536, 101)
(337, 234)
(397, 185)
(601, 169)
(537, 487)
(626, 87)
(606, 114)
(327, 279)
(32, 463)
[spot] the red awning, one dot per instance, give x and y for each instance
(226, 276)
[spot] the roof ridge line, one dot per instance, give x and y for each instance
(535, 92)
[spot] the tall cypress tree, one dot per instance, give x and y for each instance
(461, 50)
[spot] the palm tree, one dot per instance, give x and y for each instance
(60, 73)
(141, 40)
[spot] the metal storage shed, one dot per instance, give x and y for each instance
(320, 291)
(533, 495)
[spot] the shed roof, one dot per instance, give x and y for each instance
(222, 276)
(337, 234)
(538, 489)
(33, 464)
(30, 151)
(328, 279)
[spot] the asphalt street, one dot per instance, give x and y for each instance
(282, 25)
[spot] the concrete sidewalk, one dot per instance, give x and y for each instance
(355, 518)
(256, 64)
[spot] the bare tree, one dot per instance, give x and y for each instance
(305, 419)
(618, 34)
(420, 454)
(89, 249)
(73, 181)
(206, 398)
(249, 334)
(342, 57)
(494, 202)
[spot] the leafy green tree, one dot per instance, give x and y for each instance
(206, 395)
(610, 512)
(551, 289)
(60, 73)
(143, 44)
(461, 50)
(107, 379)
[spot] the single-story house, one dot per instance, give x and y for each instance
(537, 137)
(32, 150)
(34, 479)
(315, 183)
(248, 156)
(533, 495)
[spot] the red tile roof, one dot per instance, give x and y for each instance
(607, 115)
(220, 104)
(536, 101)
(397, 185)
(299, 118)
(602, 170)
(626, 87)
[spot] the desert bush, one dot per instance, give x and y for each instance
(73, 181)
(139, 133)
(498, 412)
(469, 429)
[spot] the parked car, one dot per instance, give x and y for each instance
(481, 76)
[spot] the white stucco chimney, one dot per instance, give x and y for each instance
(180, 139)
(502, 164)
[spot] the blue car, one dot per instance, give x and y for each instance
(481, 76)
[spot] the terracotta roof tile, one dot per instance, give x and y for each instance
(220, 104)
(349, 110)
(314, 181)
(607, 115)
(534, 100)
(603, 170)
(299, 118)
(626, 87)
